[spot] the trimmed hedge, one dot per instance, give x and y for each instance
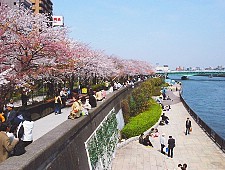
(143, 121)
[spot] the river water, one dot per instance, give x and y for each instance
(206, 97)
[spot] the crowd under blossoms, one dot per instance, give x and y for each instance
(32, 49)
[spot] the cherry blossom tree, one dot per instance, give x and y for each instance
(29, 42)
(31, 50)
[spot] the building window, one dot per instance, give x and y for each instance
(14, 3)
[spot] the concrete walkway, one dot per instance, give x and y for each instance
(49, 122)
(197, 150)
(46, 124)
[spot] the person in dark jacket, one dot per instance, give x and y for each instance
(147, 141)
(92, 100)
(141, 138)
(188, 126)
(165, 118)
(171, 145)
(10, 113)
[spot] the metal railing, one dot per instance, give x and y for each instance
(216, 138)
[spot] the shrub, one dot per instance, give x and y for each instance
(133, 107)
(143, 121)
(139, 101)
(140, 98)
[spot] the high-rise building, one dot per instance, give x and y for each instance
(42, 6)
(11, 3)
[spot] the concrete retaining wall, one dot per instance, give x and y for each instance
(63, 147)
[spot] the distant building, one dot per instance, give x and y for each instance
(219, 68)
(38, 6)
(179, 68)
(42, 6)
(164, 68)
(12, 3)
(209, 68)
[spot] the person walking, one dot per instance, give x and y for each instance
(63, 95)
(58, 103)
(171, 145)
(188, 126)
(163, 143)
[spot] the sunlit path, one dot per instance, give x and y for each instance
(196, 149)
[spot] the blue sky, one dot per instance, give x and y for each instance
(185, 33)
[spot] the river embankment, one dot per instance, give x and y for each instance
(197, 150)
(206, 96)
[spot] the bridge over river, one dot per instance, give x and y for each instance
(186, 74)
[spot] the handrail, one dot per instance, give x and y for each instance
(216, 138)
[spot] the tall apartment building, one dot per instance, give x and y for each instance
(42, 6)
(11, 3)
(38, 6)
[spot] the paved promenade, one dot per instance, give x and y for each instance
(196, 150)
(51, 121)
(47, 123)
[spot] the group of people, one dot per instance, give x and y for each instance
(90, 99)
(147, 140)
(165, 120)
(170, 145)
(167, 145)
(16, 131)
(154, 133)
(170, 142)
(82, 105)
(182, 167)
